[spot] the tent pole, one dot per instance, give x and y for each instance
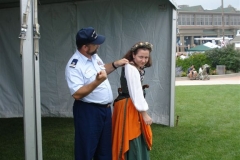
(28, 82)
(173, 66)
(31, 80)
(36, 37)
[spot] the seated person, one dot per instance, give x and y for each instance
(192, 73)
(200, 70)
(189, 73)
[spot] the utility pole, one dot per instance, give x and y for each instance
(223, 23)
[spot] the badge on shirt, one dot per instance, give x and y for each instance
(73, 63)
(101, 65)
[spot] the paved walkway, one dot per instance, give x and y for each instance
(214, 80)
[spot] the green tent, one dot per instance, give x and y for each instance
(199, 48)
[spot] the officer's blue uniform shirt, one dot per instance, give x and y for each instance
(81, 71)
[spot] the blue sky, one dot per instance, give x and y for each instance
(209, 4)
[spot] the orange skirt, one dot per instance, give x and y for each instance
(127, 124)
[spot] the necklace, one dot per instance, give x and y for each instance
(142, 73)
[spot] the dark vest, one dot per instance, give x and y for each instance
(123, 92)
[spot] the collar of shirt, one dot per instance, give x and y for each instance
(81, 57)
(84, 59)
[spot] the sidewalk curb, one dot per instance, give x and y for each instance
(211, 76)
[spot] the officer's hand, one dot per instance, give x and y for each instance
(101, 76)
(121, 62)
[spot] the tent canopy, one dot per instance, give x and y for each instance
(235, 40)
(123, 23)
(200, 48)
(211, 45)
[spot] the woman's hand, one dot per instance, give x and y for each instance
(147, 119)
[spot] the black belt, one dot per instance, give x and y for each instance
(96, 104)
(122, 96)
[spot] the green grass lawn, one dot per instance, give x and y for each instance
(208, 126)
(208, 129)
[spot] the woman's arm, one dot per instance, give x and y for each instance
(136, 92)
(135, 88)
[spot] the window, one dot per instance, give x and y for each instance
(214, 20)
(226, 22)
(188, 19)
(217, 20)
(202, 19)
(231, 20)
(192, 19)
(208, 19)
(236, 20)
(198, 19)
(179, 21)
(185, 19)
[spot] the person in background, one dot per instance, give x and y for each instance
(131, 131)
(192, 73)
(200, 70)
(86, 76)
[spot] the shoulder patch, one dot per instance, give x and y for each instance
(73, 63)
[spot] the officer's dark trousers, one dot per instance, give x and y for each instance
(93, 127)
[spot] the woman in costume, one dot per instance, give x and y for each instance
(131, 131)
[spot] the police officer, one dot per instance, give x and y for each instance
(86, 75)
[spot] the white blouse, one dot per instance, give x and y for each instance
(135, 88)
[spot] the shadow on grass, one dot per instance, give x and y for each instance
(57, 139)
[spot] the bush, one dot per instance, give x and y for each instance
(229, 72)
(184, 74)
(227, 56)
(196, 59)
(213, 72)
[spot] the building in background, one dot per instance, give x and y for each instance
(236, 40)
(197, 22)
